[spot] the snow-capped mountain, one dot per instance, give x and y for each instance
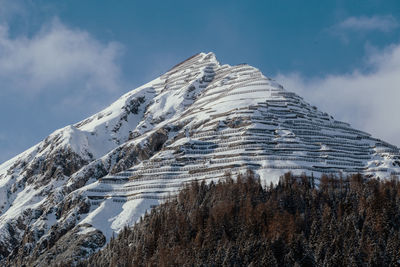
(66, 196)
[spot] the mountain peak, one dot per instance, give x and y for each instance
(198, 121)
(210, 56)
(202, 58)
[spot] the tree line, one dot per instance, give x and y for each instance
(337, 221)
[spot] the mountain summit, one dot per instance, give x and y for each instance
(66, 196)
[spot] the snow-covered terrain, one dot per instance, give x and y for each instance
(199, 121)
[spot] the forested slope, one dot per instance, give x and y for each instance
(344, 222)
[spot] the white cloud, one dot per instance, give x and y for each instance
(375, 23)
(369, 101)
(56, 58)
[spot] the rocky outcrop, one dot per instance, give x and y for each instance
(76, 243)
(67, 196)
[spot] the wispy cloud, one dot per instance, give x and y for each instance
(55, 58)
(350, 27)
(369, 101)
(62, 71)
(375, 23)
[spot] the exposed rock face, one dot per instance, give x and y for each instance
(66, 196)
(76, 243)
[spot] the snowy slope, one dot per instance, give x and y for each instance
(198, 121)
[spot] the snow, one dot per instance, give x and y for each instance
(110, 217)
(102, 217)
(199, 101)
(85, 230)
(131, 212)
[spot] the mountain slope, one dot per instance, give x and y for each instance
(239, 223)
(196, 121)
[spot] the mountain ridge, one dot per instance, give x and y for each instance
(199, 120)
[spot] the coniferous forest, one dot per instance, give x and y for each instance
(350, 221)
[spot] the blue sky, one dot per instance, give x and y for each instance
(61, 61)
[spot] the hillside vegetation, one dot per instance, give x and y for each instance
(348, 221)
